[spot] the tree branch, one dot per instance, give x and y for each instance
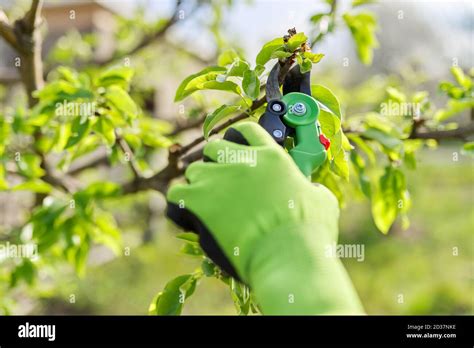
(255, 105)
(330, 24)
(160, 181)
(31, 18)
(191, 54)
(458, 133)
(6, 31)
(186, 125)
(122, 143)
(149, 39)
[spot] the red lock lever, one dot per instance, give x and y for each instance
(324, 141)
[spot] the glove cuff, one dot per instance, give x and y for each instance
(291, 272)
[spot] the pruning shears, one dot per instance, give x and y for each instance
(295, 114)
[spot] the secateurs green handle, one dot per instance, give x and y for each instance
(295, 114)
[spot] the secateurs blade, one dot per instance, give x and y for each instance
(295, 114)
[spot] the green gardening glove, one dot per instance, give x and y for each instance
(266, 223)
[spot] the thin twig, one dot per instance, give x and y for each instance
(6, 30)
(122, 143)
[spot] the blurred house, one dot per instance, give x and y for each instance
(61, 17)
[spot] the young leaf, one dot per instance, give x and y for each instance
(362, 27)
(29, 165)
(251, 84)
(305, 65)
(280, 54)
(107, 231)
(218, 115)
(463, 80)
(386, 139)
(238, 68)
(325, 96)
(296, 41)
(313, 57)
(170, 300)
(105, 128)
(453, 108)
(340, 166)
(191, 249)
(389, 197)
(468, 149)
(121, 101)
(117, 76)
(227, 57)
(78, 131)
(265, 53)
(330, 123)
(188, 237)
(208, 267)
(205, 79)
(102, 189)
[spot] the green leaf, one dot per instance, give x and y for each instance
(205, 79)
(189, 237)
(170, 301)
(116, 76)
(362, 27)
(218, 115)
(265, 53)
(105, 128)
(63, 133)
(356, 3)
(326, 97)
(317, 17)
(191, 249)
(296, 41)
(313, 57)
(330, 123)
(305, 65)
(280, 54)
(25, 271)
(35, 185)
(78, 131)
(107, 231)
(251, 84)
(3, 182)
(238, 68)
(463, 80)
(396, 95)
(453, 108)
(241, 296)
(360, 143)
(208, 267)
(340, 165)
(468, 149)
(389, 198)
(387, 140)
(29, 165)
(359, 166)
(80, 257)
(121, 101)
(227, 57)
(102, 189)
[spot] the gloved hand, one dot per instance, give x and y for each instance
(266, 222)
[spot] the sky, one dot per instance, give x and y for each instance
(249, 24)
